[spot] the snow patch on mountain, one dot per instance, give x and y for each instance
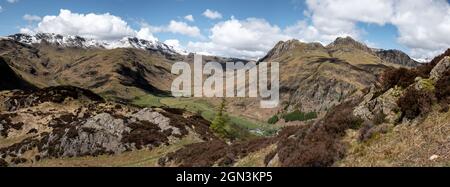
(80, 42)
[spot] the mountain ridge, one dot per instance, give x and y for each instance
(81, 42)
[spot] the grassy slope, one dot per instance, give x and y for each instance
(139, 158)
(404, 145)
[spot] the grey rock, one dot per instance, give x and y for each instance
(163, 122)
(440, 69)
(109, 124)
(385, 103)
(396, 57)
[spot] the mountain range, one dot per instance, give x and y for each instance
(69, 96)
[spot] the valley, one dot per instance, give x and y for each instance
(72, 101)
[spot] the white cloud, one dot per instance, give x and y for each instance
(13, 1)
(183, 28)
(176, 45)
(102, 26)
(96, 26)
(1, 9)
(31, 18)
(329, 19)
(176, 27)
(423, 25)
(26, 30)
(146, 34)
(189, 18)
(249, 38)
(211, 14)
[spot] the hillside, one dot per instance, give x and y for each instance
(58, 123)
(73, 101)
(111, 72)
(316, 77)
(9, 80)
(400, 126)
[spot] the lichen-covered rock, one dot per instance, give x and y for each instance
(424, 84)
(384, 104)
(101, 133)
(156, 118)
(439, 70)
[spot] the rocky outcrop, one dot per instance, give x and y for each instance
(87, 127)
(440, 69)
(385, 105)
(396, 57)
(321, 94)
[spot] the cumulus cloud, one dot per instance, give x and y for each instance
(13, 1)
(96, 26)
(249, 38)
(146, 34)
(211, 14)
(176, 27)
(31, 18)
(103, 27)
(329, 19)
(423, 25)
(175, 44)
(189, 18)
(183, 28)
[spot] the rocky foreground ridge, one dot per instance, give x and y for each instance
(59, 122)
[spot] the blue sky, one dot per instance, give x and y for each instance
(156, 12)
(381, 31)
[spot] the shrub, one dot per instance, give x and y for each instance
(369, 131)
(404, 77)
(443, 87)
(415, 102)
(299, 116)
(398, 77)
(320, 144)
(379, 118)
(274, 119)
(310, 115)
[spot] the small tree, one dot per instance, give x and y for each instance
(274, 119)
(220, 120)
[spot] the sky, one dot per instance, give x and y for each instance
(239, 28)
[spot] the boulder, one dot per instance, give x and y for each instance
(385, 104)
(439, 70)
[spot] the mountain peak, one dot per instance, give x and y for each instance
(280, 48)
(395, 56)
(283, 47)
(348, 42)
